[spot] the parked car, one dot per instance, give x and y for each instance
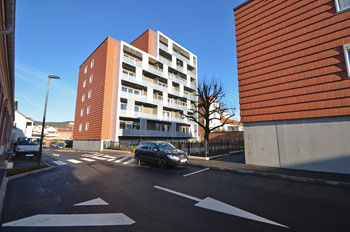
(60, 145)
(27, 147)
(162, 153)
(53, 144)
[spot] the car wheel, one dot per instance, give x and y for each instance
(137, 160)
(162, 164)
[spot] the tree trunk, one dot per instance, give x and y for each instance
(206, 144)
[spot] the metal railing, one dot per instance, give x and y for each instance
(153, 133)
(165, 61)
(155, 70)
(129, 77)
(132, 61)
(163, 47)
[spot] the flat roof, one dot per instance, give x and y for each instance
(242, 4)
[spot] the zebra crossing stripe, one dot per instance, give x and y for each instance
(129, 161)
(110, 159)
(97, 157)
(108, 156)
(74, 161)
(121, 159)
(59, 162)
(87, 159)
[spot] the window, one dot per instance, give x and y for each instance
(347, 57)
(83, 97)
(123, 106)
(80, 127)
(137, 109)
(342, 5)
(87, 126)
(85, 70)
(130, 91)
(81, 112)
(89, 94)
(84, 83)
(136, 92)
(90, 78)
(92, 63)
(88, 110)
(124, 89)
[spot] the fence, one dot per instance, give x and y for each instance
(216, 147)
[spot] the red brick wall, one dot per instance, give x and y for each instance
(290, 60)
(145, 42)
(101, 102)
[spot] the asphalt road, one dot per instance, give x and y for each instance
(143, 198)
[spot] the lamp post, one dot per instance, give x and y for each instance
(43, 125)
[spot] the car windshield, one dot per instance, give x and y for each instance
(166, 146)
(60, 144)
(28, 141)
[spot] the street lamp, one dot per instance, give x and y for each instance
(43, 125)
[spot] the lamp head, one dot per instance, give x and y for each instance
(54, 77)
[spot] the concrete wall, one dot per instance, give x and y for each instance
(88, 145)
(320, 144)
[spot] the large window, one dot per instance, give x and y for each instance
(342, 5)
(86, 126)
(347, 57)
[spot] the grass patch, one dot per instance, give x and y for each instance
(16, 171)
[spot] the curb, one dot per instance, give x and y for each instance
(31, 172)
(3, 193)
(278, 176)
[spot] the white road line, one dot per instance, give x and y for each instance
(54, 154)
(110, 160)
(59, 162)
(192, 173)
(120, 160)
(108, 156)
(74, 161)
(97, 201)
(97, 157)
(129, 161)
(177, 193)
(87, 159)
(60, 220)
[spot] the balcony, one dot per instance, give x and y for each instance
(180, 56)
(191, 74)
(157, 101)
(193, 86)
(153, 133)
(130, 113)
(132, 61)
(176, 106)
(176, 92)
(132, 96)
(157, 86)
(163, 47)
(178, 67)
(129, 77)
(177, 80)
(156, 71)
(165, 61)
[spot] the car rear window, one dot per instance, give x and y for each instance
(28, 141)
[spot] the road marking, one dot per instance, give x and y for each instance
(110, 159)
(108, 156)
(59, 162)
(97, 157)
(60, 220)
(129, 161)
(121, 159)
(74, 161)
(97, 201)
(212, 204)
(54, 154)
(192, 173)
(87, 159)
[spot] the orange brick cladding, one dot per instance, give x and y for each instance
(103, 98)
(145, 42)
(290, 60)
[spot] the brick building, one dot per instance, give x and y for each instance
(7, 79)
(294, 87)
(131, 92)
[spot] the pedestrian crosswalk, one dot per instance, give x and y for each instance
(89, 158)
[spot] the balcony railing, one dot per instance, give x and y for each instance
(176, 106)
(177, 80)
(156, 71)
(153, 133)
(181, 57)
(193, 86)
(132, 96)
(165, 61)
(163, 47)
(178, 67)
(133, 114)
(176, 92)
(191, 74)
(129, 77)
(155, 85)
(131, 61)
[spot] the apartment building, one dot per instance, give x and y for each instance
(133, 92)
(294, 86)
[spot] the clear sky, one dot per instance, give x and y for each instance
(56, 36)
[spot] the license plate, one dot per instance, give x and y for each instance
(30, 155)
(183, 161)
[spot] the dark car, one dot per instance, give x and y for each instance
(60, 145)
(162, 153)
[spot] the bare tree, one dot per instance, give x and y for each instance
(209, 108)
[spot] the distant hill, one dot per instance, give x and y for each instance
(55, 124)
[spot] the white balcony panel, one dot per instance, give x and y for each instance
(163, 47)
(165, 61)
(131, 61)
(153, 133)
(129, 77)
(133, 96)
(155, 71)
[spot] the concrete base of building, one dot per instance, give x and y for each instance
(88, 145)
(318, 144)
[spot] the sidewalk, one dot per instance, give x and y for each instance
(342, 180)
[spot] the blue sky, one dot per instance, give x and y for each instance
(56, 36)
